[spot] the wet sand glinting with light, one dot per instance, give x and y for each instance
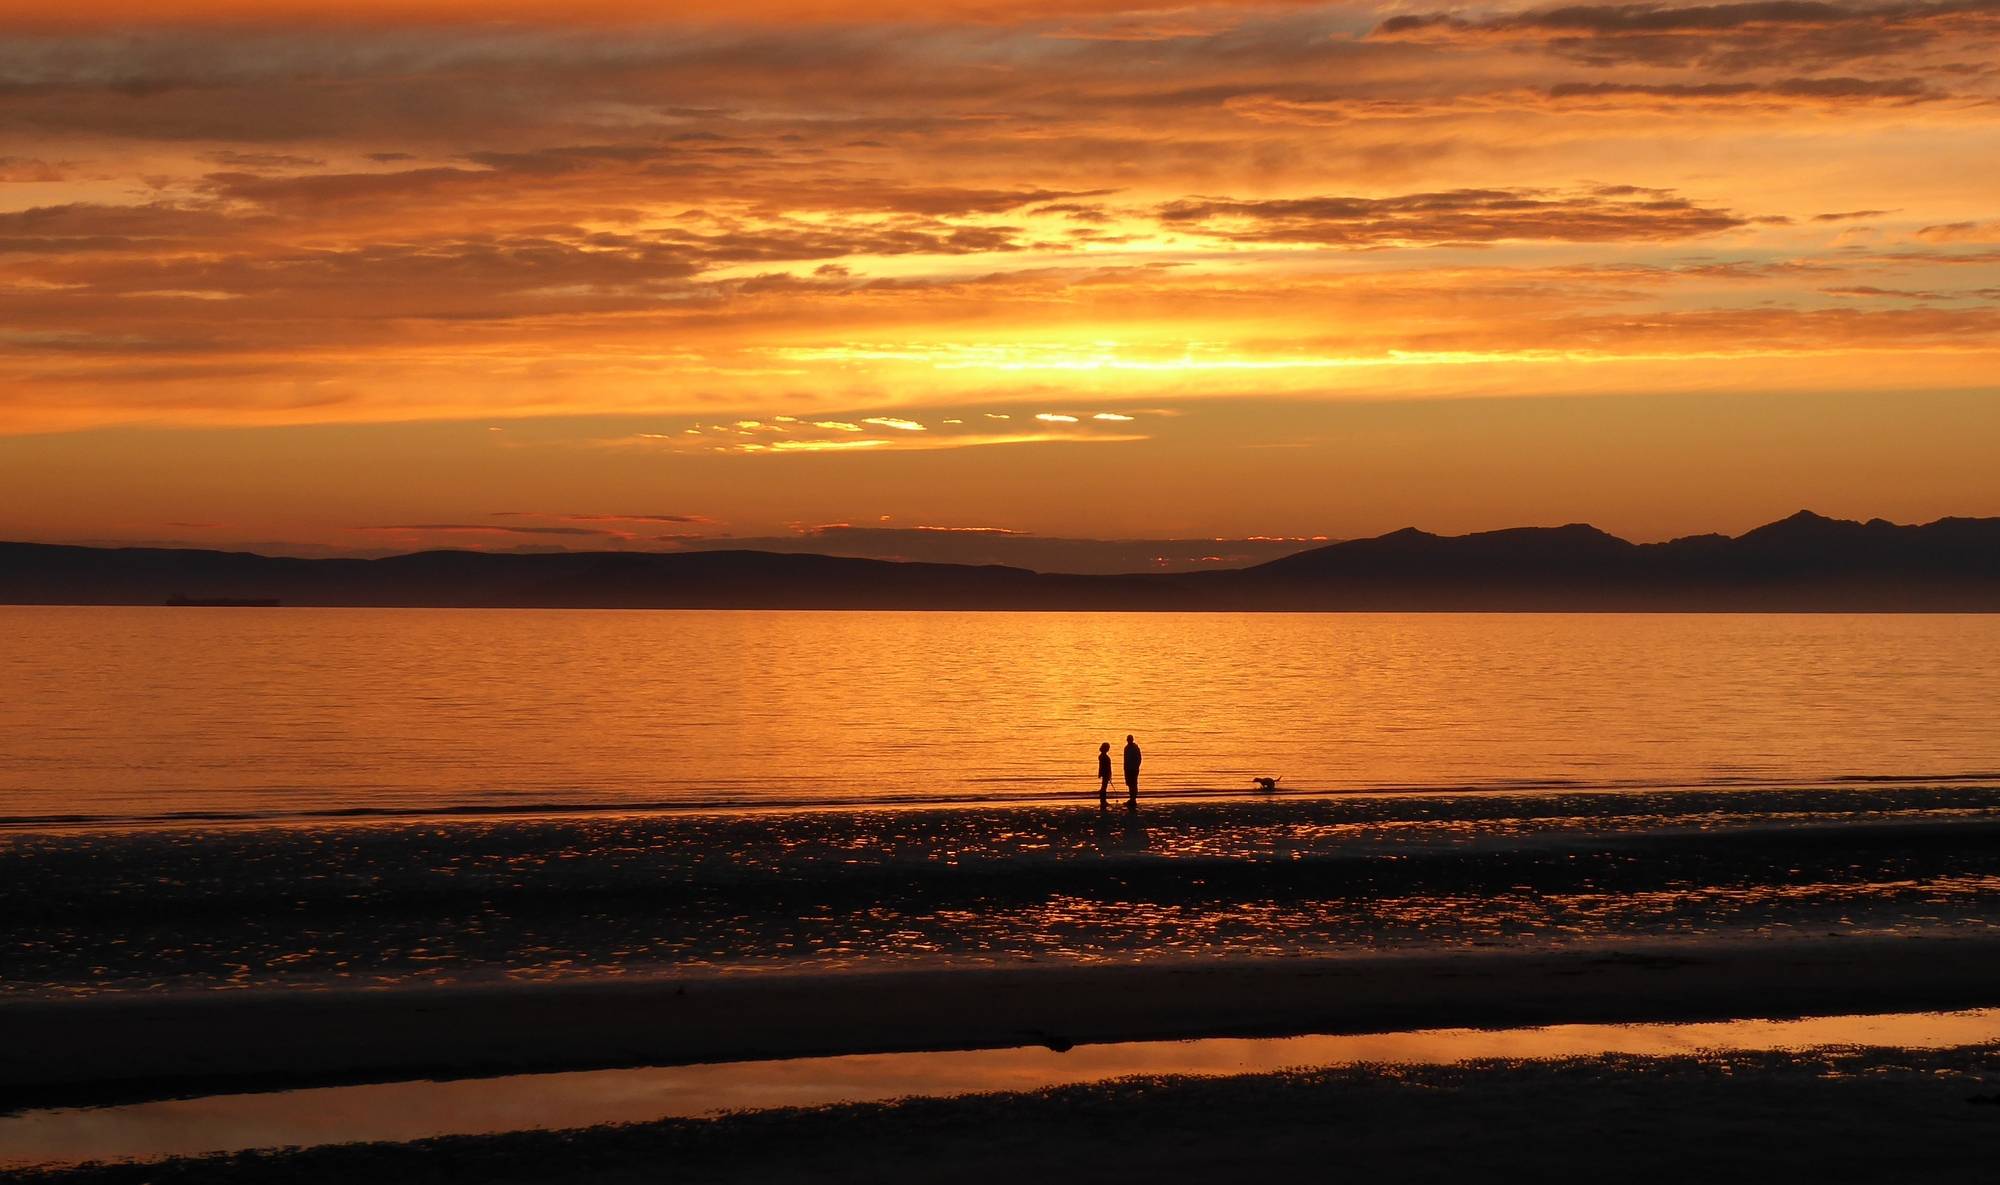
(464, 904)
(112, 1047)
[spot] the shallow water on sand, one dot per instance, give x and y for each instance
(412, 903)
(146, 713)
(419, 1110)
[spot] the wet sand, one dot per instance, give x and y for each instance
(459, 903)
(106, 1048)
(1824, 1116)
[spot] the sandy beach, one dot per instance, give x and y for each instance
(106, 1048)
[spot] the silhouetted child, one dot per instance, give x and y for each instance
(1104, 775)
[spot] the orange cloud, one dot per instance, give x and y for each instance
(1729, 36)
(1138, 15)
(859, 227)
(1613, 213)
(1962, 232)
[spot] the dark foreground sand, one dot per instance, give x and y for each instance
(106, 1048)
(1824, 1116)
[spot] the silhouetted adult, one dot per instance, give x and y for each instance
(1131, 770)
(1104, 775)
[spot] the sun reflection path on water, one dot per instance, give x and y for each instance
(311, 713)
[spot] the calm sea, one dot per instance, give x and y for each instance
(149, 712)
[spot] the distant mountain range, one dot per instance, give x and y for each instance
(1805, 562)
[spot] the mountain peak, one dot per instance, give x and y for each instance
(1804, 524)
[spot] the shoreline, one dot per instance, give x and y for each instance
(106, 1049)
(1165, 799)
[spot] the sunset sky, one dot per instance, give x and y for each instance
(588, 274)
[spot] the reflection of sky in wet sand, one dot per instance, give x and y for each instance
(414, 1110)
(415, 903)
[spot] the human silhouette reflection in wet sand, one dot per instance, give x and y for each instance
(1132, 835)
(1132, 758)
(1120, 834)
(1104, 776)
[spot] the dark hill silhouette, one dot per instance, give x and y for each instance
(1410, 553)
(1805, 562)
(31, 573)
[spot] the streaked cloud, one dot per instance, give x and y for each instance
(1623, 213)
(607, 518)
(1962, 232)
(1021, 549)
(812, 446)
(1730, 36)
(484, 529)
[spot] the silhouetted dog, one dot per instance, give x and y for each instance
(1267, 783)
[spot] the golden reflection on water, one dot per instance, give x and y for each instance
(144, 711)
(417, 1110)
